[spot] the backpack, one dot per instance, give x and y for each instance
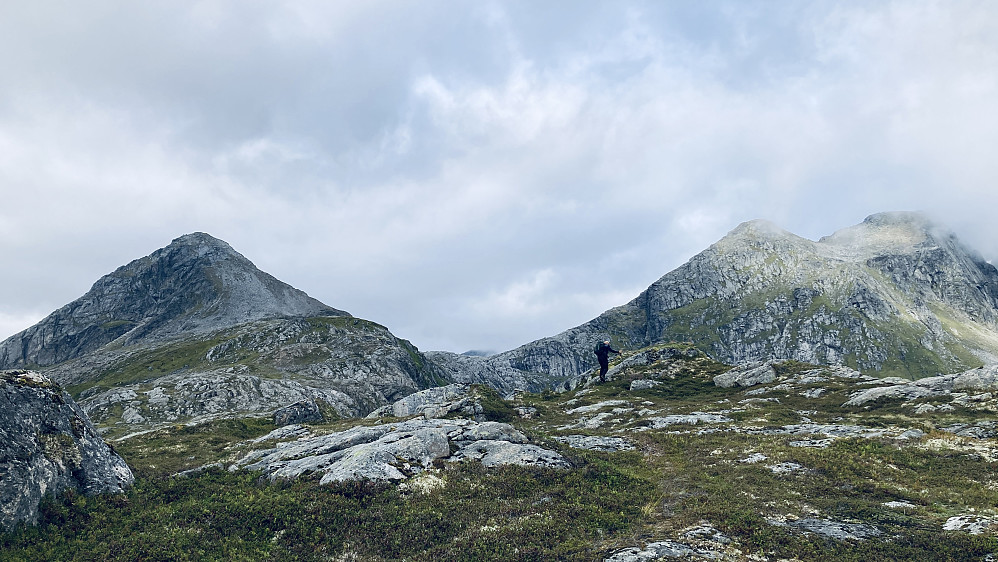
(598, 348)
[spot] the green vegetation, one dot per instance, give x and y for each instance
(678, 478)
(496, 514)
(171, 450)
(145, 365)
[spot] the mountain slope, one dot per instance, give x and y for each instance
(195, 331)
(895, 294)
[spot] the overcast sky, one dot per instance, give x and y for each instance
(474, 174)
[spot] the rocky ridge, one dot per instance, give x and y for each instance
(48, 446)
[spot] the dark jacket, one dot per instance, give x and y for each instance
(603, 350)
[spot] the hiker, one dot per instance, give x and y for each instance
(603, 351)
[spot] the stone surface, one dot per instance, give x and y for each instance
(663, 550)
(497, 453)
(980, 379)
(435, 403)
(644, 384)
(973, 524)
(303, 411)
(832, 529)
(694, 418)
(596, 443)
(746, 375)
(48, 445)
(398, 451)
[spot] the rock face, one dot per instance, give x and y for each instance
(896, 294)
(746, 375)
(48, 445)
(196, 331)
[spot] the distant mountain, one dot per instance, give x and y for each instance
(195, 330)
(197, 284)
(896, 294)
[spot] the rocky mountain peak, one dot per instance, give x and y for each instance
(197, 284)
(897, 294)
(887, 233)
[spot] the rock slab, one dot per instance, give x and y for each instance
(395, 452)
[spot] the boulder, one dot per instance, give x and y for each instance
(303, 411)
(984, 378)
(499, 453)
(746, 375)
(434, 403)
(48, 445)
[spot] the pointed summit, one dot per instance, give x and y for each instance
(197, 284)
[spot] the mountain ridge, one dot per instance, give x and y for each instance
(196, 284)
(897, 293)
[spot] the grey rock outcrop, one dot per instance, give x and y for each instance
(434, 403)
(747, 375)
(596, 443)
(48, 445)
(832, 529)
(303, 411)
(396, 452)
(973, 380)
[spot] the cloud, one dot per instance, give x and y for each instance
(477, 175)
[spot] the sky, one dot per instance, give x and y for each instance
(477, 175)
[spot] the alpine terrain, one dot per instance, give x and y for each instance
(895, 295)
(776, 399)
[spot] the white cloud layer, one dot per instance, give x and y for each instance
(477, 175)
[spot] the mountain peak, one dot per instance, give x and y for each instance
(889, 233)
(200, 239)
(197, 284)
(758, 227)
(909, 219)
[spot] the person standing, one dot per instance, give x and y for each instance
(603, 351)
